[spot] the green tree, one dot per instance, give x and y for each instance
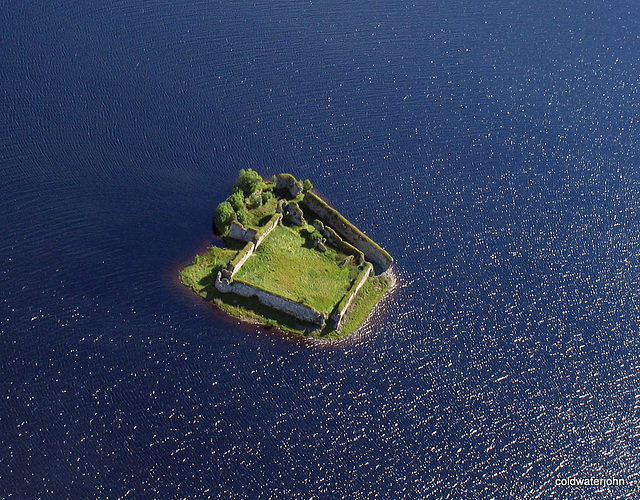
(237, 200)
(242, 215)
(255, 200)
(225, 215)
(307, 186)
(249, 181)
(266, 196)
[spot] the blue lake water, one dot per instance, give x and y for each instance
(491, 147)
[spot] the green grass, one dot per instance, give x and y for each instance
(200, 277)
(259, 215)
(284, 264)
(368, 296)
(201, 273)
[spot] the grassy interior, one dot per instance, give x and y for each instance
(260, 215)
(286, 265)
(200, 277)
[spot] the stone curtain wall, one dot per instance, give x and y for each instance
(247, 251)
(348, 231)
(295, 309)
(264, 231)
(237, 262)
(338, 314)
(347, 248)
(238, 232)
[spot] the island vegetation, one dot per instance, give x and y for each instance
(290, 261)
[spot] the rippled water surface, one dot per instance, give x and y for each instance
(491, 147)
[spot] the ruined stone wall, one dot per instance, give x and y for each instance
(288, 183)
(338, 313)
(238, 232)
(295, 309)
(251, 246)
(237, 262)
(331, 217)
(342, 246)
(225, 283)
(264, 231)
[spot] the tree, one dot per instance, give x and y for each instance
(307, 186)
(242, 214)
(249, 181)
(237, 200)
(266, 196)
(225, 215)
(255, 200)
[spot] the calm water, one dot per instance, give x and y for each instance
(492, 148)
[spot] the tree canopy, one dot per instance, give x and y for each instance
(248, 181)
(225, 215)
(237, 200)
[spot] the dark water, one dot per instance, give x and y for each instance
(491, 147)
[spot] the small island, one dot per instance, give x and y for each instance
(290, 260)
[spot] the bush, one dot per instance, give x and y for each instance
(307, 186)
(266, 196)
(255, 200)
(225, 215)
(315, 236)
(237, 201)
(242, 215)
(248, 181)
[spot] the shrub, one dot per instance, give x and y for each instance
(255, 200)
(266, 196)
(315, 236)
(307, 186)
(242, 214)
(225, 215)
(237, 201)
(248, 181)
